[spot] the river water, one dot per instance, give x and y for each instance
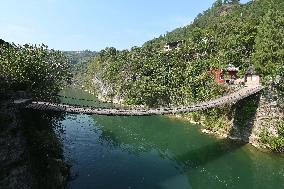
(157, 152)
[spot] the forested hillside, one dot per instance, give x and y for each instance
(228, 32)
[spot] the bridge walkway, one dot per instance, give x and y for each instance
(228, 99)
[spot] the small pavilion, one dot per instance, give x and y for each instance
(229, 75)
(232, 71)
(226, 75)
(251, 78)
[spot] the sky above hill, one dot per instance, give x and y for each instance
(94, 24)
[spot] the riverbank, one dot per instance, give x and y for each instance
(257, 120)
(15, 163)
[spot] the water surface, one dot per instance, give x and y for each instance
(160, 153)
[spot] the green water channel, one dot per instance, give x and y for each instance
(160, 153)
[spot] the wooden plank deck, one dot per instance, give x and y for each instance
(228, 99)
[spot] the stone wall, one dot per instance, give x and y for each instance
(268, 116)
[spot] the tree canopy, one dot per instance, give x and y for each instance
(36, 69)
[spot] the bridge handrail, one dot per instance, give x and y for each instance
(229, 98)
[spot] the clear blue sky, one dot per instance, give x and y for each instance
(94, 24)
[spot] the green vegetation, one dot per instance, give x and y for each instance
(79, 64)
(145, 76)
(269, 48)
(216, 119)
(276, 143)
(228, 32)
(79, 57)
(35, 69)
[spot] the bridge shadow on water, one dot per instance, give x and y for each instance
(243, 114)
(206, 154)
(188, 155)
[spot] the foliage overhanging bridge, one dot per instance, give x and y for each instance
(227, 99)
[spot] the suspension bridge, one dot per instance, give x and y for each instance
(76, 109)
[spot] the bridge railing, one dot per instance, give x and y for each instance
(230, 98)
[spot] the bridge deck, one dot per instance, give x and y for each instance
(228, 99)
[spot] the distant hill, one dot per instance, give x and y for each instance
(228, 32)
(225, 18)
(79, 61)
(77, 57)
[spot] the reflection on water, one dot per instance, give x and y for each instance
(157, 152)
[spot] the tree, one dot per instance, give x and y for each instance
(2, 41)
(269, 48)
(218, 3)
(37, 69)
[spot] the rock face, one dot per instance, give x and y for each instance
(23, 162)
(251, 117)
(268, 116)
(104, 92)
(15, 170)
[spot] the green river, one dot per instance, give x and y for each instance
(157, 152)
